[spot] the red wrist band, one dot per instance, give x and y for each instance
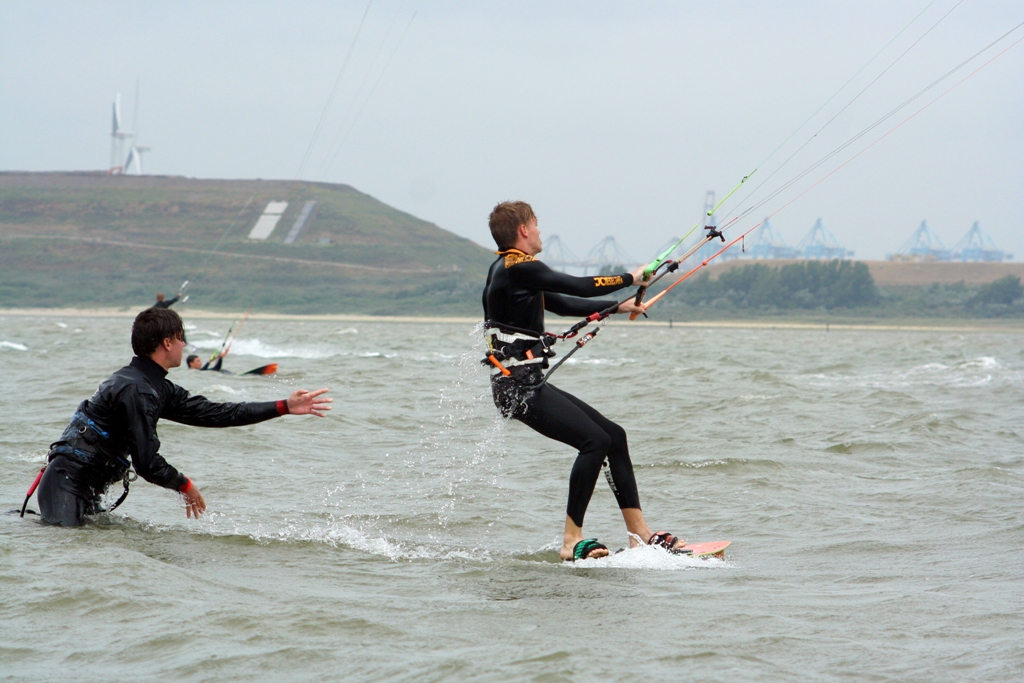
(186, 487)
(282, 407)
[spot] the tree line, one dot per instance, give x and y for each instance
(839, 285)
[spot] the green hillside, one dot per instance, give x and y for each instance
(89, 239)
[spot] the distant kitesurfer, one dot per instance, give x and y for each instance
(194, 362)
(161, 302)
(519, 289)
(119, 422)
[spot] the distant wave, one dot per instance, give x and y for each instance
(339, 534)
(13, 345)
(256, 348)
(599, 361)
(223, 387)
(373, 354)
(967, 373)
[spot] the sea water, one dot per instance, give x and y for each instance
(870, 482)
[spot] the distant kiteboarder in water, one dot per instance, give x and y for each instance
(519, 289)
(194, 362)
(119, 422)
(216, 362)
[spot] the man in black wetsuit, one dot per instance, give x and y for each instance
(194, 362)
(119, 422)
(519, 289)
(162, 302)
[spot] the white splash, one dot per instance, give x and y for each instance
(647, 557)
(13, 345)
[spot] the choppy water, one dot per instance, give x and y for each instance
(871, 483)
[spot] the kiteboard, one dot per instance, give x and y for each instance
(707, 549)
(268, 369)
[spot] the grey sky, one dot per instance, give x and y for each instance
(610, 118)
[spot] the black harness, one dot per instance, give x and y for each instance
(511, 350)
(83, 440)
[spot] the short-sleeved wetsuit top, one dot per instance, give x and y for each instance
(520, 288)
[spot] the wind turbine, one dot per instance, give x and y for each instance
(133, 162)
(117, 138)
(135, 151)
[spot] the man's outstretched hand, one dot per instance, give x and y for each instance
(194, 503)
(304, 402)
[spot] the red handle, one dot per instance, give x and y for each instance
(32, 488)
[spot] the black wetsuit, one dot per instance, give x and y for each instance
(519, 289)
(216, 367)
(166, 303)
(120, 421)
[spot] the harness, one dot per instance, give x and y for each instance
(83, 441)
(526, 352)
(521, 354)
(515, 347)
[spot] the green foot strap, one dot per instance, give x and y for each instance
(582, 550)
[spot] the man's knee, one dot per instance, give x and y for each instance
(599, 444)
(617, 435)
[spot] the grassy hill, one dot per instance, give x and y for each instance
(89, 239)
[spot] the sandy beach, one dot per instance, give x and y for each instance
(923, 324)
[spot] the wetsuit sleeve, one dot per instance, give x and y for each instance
(166, 303)
(536, 275)
(140, 412)
(200, 412)
(575, 306)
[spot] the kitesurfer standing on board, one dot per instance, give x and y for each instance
(163, 302)
(519, 289)
(119, 422)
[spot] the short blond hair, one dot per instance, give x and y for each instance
(505, 221)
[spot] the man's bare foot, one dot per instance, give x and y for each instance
(641, 534)
(664, 539)
(568, 550)
(575, 547)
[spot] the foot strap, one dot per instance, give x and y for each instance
(664, 539)
(582, 550)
